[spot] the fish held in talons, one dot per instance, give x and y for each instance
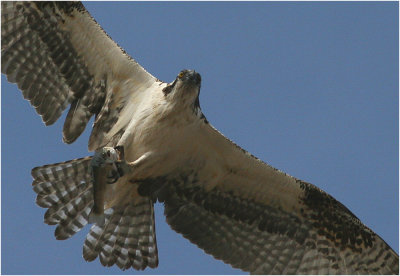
(104, 171)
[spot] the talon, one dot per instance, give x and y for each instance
(120, 171)
(113, 176)
(123, 167)
(121, 152)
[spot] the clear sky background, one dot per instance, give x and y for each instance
(310, 88)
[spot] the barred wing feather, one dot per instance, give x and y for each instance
(261, 220)
(58, 56)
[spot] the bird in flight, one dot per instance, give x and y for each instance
(153, 143)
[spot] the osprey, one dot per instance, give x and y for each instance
(152, 142)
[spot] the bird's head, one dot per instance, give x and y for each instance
(185, 89)
(189, 78)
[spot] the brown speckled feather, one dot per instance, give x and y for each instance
(265, 240)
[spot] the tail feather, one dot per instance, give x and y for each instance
(125, 236)
(62, 196)
(68, 227)
(61, 212)
(60, 171)
(65, 189)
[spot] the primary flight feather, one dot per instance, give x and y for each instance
(217, 195)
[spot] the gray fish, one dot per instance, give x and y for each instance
(103, 166)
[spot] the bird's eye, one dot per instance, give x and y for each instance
(180, 75)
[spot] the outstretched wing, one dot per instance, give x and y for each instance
(58, 56)
(259, 219)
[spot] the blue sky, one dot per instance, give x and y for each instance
(310, 88)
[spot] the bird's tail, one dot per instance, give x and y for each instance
(127, 238)
(66, 190)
